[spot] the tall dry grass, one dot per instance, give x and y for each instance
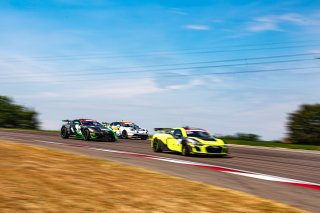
(35, 179)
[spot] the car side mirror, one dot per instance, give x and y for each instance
(177, 136)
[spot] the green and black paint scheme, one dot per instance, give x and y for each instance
(87, 129)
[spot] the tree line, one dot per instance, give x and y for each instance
(17, 116)
(303, 125)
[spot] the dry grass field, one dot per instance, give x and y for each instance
(35, 179)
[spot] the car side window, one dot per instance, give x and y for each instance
(177, 133)
(74, 122)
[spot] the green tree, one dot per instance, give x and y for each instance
(16, 116)
(247, 137)
(244, 137)
(304, 125)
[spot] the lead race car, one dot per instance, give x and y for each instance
(87, 129)
(187, 141)
(126, 129)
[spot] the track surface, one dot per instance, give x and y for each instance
(288, 164)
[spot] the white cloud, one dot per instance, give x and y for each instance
(114, 90)
(178, 11)
(263, 26)
(188, 85)
(273, 22)
(123, 89)
(293, 18)
(197, 27)
(119, 89)
(23, 69)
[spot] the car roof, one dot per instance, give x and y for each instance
(194, 129)
(86, 120)
(124, 122)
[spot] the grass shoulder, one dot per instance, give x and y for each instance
(271, 144)
(28, 130)
(34, 179)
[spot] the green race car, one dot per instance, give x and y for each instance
(87, 129)
(187, 141)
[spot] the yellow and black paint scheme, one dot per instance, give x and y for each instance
(187, 141)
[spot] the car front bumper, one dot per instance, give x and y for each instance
(209, 150)
(103, 135)
(138, 135)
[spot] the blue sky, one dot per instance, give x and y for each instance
(163, 63)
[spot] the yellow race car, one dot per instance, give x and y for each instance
(187, 141)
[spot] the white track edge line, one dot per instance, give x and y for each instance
(238, 171)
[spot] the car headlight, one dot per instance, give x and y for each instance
(194, 142)
(91, 129)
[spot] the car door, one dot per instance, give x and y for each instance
(116, 127)
(174, 143)
(68, 126)
(76, 127)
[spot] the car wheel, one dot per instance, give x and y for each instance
(144, 138)
(112, 138)
(186, 150)
(86, 135)
(124, 134)
(156, 146)
(64, 133)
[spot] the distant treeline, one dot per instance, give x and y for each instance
(243, 136)
(303, 127)
(16, 116)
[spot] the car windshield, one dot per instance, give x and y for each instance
(199, 134)
(92, 123)
(131, 125)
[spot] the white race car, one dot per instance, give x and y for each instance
(126, 129)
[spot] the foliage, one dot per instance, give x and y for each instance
(16, 116)
(243, 136)
(275, 144)
(304, 125)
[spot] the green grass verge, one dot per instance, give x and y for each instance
(28, 130)
(271, 144)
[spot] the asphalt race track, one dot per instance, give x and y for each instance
(260, 168)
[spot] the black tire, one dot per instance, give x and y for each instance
(86, 135)
(156, 146)
(221, 156)
(144, 138)
(64, 133)
(112, 138)
(124, 134)
(186, 150)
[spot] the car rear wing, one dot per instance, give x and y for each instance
(163, 130)
(66, 121)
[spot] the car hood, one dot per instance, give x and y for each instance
(98, 129)
(215, 141)
(139, 129)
